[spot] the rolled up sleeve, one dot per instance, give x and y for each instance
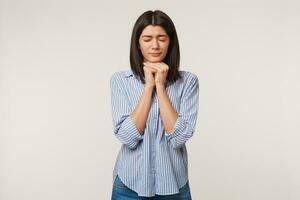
(124, 127)
(184, 127)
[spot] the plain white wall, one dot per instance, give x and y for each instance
(56, 58)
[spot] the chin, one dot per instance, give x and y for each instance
(155, 60)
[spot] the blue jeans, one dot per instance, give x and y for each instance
(122, 192)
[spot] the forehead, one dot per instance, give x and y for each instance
(154, 30)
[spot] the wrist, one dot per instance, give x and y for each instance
(160, 86)
(149, 87)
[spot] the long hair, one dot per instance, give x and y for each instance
(172, 58)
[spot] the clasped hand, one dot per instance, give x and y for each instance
(155, 73)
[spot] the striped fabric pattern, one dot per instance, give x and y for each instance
(153, 162)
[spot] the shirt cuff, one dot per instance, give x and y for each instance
(131, 130)
(178, 128)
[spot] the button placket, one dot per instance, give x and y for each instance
(155, 121)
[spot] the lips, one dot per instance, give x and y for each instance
(155, 54)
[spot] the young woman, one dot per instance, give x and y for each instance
(154, 111)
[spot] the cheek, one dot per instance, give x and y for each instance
(144, 51)
(147, 45)
(165, 45)
(145, 48)
(165, 48)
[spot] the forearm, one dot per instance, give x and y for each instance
(167, 112)
(140, 114)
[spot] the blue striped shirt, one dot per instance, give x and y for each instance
(154, 162)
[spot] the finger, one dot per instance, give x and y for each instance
(158, 69)
(165, 66)
(146, 63)
(151, 69)
(162, 65)
(158, 66)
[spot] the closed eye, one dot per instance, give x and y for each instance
(159, 40)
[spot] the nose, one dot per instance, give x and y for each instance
(155, 44)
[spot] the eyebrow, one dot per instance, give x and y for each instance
(157, 35)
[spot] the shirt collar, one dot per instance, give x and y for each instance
(128, 73)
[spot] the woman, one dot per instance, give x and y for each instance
(154, 111)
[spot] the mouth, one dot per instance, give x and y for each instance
(155, 54)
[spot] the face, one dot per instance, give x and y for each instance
(154, 43)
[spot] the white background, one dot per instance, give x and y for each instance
(56, 59)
